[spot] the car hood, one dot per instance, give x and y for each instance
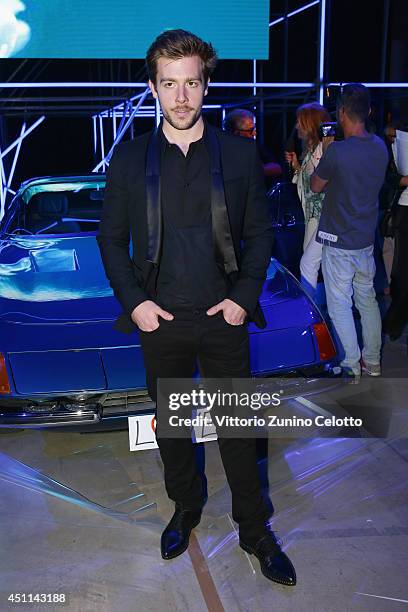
(50, 269)
(63, 279)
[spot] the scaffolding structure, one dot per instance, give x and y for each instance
(120, 117)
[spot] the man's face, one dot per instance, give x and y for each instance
(180, 89)
(247, 128)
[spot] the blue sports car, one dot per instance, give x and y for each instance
(61, 360)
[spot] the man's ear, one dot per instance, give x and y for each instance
(152, 88)
(206, 88)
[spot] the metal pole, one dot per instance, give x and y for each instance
(102, 142)
(26, 132)
(385, 39)
(106, 159)
(321, 49)
(2, 188)
(16, 154)
(384, 53)
(114, 123)
(260, 129)
(285, 69)
(95, 137)
(157, 112)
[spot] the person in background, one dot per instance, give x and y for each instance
(388, 197)
(241, 122)
(309, 118)
(396, 317)
(351, 172)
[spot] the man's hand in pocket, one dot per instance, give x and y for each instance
(233, 314)
(146, 316)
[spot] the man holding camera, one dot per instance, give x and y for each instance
(351, 173)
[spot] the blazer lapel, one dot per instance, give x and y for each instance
(224, 247)
(153, 199)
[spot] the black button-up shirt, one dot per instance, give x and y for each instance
(189, 276)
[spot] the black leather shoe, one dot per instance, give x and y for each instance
(175, 537)
(275, 565)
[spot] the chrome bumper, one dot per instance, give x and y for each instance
(74, 410)
(91, 408)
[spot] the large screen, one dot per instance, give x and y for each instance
(115, 29)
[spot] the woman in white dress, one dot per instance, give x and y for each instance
(309, 118)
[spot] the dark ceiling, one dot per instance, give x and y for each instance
(365, 41)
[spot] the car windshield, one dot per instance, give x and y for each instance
(58, 209)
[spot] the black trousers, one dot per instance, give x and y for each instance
(222, 351)
(397, 315)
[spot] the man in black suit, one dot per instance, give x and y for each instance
(192, 199)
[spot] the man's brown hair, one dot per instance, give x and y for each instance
(176, 44)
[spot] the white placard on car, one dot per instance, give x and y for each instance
(141, 432)
(142, 436)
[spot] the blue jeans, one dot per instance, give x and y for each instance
(350, 274)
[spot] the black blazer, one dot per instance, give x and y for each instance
(132, 209)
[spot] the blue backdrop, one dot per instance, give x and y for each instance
(125, 28)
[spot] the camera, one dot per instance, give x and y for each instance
(330, 128)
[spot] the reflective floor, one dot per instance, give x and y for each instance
(81, 515)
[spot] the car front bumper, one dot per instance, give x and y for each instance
(92, 408)
(84, 409)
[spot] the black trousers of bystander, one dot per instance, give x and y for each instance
(396, 317)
